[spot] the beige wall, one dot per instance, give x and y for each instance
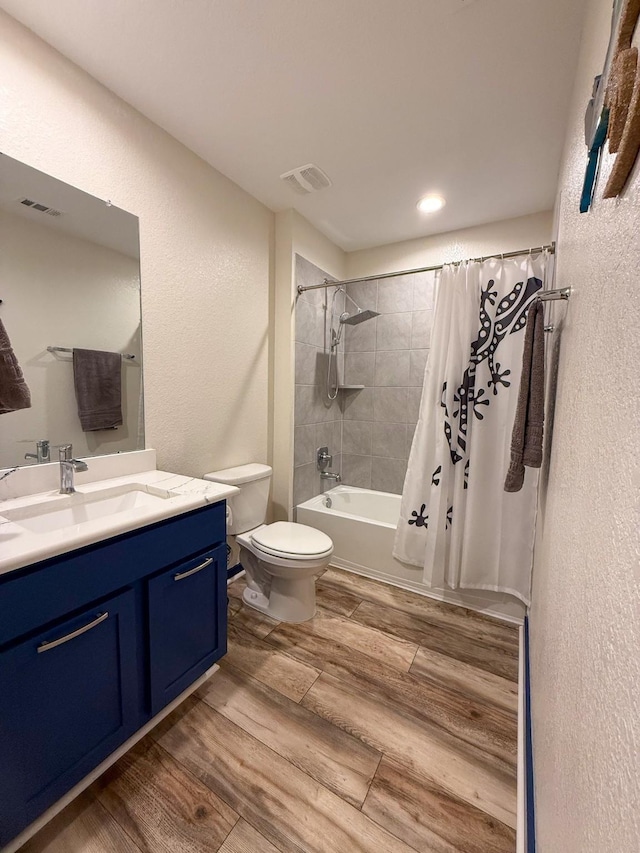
(585, 619)
(508, 235)
(60, 290)
(205, 252)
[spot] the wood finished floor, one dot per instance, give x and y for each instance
(387, 723)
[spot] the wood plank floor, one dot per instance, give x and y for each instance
(386, 723)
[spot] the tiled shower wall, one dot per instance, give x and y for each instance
(387, 355)
(318, 422)
(369, 432)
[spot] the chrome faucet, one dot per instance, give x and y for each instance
(67, 467)
(42, 454)
(329, 475)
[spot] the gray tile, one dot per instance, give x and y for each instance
(395, 294)
(308, 274)
(394, 331)
(418, 364)
(359, 368)
(304, 444)
(307, 358)
(304, 482)
(364, 294)
(392, 368)
(423, 291)
(309, 323)
(390, 405)
(305, 411)
(336, 441)
(389, 439)
(336, 467)
(414, 396)
(361, 338)
(356, 437)
(356, 470)
(324, 437)
(421, 330)
(387, 475)
(358, 405)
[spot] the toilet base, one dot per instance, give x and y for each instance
(290, 599)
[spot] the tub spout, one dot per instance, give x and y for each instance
(329, 475)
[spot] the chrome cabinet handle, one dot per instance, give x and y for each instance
(51, 644)
(199, 568)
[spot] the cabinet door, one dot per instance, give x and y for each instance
(187, 624)
(68, 698)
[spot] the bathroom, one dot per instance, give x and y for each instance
(184, 117)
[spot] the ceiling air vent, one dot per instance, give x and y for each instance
(306, 179)
(42, 208)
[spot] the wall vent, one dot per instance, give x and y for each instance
(42, 208)
(306, 179)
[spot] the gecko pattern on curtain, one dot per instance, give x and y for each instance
(456, 520)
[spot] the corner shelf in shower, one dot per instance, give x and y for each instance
(350, 387)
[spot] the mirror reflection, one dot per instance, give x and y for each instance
(70, 321)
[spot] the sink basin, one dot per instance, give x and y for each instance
(68, 511)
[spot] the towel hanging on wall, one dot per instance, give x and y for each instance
(528, 425)
(97, 377)
(14, 393)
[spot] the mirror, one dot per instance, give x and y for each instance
(69, 279)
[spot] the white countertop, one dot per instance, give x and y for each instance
(20, 547)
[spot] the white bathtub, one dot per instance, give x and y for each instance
(362, 524)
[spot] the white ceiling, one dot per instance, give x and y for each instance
(392, 98)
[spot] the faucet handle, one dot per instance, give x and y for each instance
(65, 452)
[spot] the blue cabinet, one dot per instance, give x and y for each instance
(69, 698)
(186, 614)
(94, 643)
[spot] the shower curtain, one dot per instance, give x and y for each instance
(456, 520)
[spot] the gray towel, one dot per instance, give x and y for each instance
(526, 438)
(98, 381)
(14, 393)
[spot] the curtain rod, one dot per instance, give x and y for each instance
(551, 248)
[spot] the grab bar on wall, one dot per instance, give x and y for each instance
(126, 355)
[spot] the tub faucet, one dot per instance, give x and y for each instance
(329, 475)
(67, 467)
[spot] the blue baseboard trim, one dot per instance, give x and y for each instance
(530, 790)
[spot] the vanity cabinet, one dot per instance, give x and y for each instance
(94, 644)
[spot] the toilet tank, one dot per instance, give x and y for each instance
(249, 508)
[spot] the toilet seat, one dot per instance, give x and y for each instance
(285, 539)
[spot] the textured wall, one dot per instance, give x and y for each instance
(205, 252)
(506, 235)
(585, 618)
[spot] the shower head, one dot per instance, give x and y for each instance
(357, 318)
(354, 319)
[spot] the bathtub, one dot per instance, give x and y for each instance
(362, 524)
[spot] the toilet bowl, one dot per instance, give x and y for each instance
(281, 560)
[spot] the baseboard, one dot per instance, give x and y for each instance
(473, 602)
(521, 819)
(56, 808)
(528, 750)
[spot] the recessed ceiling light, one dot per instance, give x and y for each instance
(431, 203)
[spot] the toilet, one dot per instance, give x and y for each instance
(281, 560)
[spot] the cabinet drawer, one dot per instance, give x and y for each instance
(32, 597)
(187, 624)
(68, 699)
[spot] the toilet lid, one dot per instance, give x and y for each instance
(285, 537)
